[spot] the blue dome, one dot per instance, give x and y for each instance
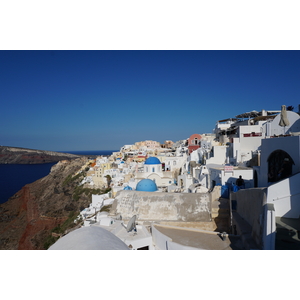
(146, 185)
(152, 161)
(127, 188)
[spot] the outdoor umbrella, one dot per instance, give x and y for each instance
(283, 117)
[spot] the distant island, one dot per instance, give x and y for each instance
(15, 155)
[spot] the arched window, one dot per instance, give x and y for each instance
(280, 165)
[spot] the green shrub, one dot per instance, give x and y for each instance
(69, 223)
(106, 208)
(79, 190)
(71, 178)
(50, 240)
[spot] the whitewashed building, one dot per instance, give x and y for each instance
(153, 170)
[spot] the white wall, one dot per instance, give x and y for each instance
(196, 155)
(285, 195)
(97, 200)
(294, 126)
(290, 144)
(244, 147)
(187, 180)
(222, 177)
(219, 155)
(249, 129)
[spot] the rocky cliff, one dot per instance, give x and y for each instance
(14, 155)
(43, 209)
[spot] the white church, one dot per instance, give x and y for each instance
(153, 170)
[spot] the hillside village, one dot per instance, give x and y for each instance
(236, 188)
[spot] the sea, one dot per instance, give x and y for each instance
(13, 176)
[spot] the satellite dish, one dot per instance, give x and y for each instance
(131, 224)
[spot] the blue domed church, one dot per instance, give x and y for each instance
(152, 165)
(153, 172)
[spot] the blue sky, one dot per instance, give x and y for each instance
(101, 100)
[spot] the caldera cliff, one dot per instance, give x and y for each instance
(36, 215)
(15, 155)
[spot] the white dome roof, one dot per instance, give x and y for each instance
(89, 238)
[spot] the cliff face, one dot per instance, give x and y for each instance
(14, 155)
(27, 218)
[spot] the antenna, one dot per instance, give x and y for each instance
(131, 224)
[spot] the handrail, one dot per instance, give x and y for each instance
(278, 198)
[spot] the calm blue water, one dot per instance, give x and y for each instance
(14, 177)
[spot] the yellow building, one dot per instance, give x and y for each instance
(98, 178)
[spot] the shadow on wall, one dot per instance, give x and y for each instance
(287, 235)
(295, 127)
(285, 195)
(231, 186)
(295, 194)
(247, 212)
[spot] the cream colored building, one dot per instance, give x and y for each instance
(152, 144)
(148, 144)
(98, 178)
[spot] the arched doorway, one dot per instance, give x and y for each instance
(181, 183)
(280, 166)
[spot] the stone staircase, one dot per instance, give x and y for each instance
(220, 213)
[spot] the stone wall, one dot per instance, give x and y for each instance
(157, 206)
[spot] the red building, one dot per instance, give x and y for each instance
(194, 142)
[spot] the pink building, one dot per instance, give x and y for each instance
(194, 142)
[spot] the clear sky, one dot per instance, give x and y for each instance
(102, 100)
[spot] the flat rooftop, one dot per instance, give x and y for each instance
(221, 167)
(118, 230)
(200, 239)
